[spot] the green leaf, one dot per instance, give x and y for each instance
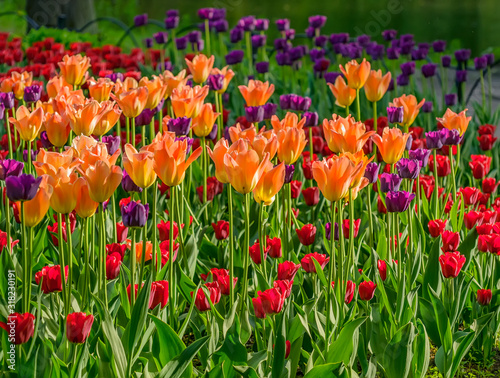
(467, 246)
(443, 323)
(178, 365)
(320, 273)
(279, 349)
(421, 357)
(398, 353)
(432, 273)
(325, 370)
(342, 348)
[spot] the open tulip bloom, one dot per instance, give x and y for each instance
(324, 204)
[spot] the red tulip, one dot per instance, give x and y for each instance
(436, 227)
(489, 216)
(159, 294)
(113, 264)
(308, 264)
(307, 169)
(201, 301)
(274, 246)
(311, 195)
(165, 251)
(485, 243)
(287, 348)
(484, 229)
(214, 187)
(254, 251)
(50, 277)
(451, 264)
(295, 187)
(490, 185)
(285, 286)
(473, 218)
(380, 206)
(78, 326)
(287, 270)
(306, 234)
(116, 248)
(486, 142)
(3, 241)
(164, 230)
(349, 292)
(470, 195)
(121, 232)
(480, 166)
(346, 226)
(367, 290)
(221, 229)
(484, 297)
(272, 300)
(19, 327)
(257, 308)
(443, 165)
(382, 269)
(221, 276)
(450, 240)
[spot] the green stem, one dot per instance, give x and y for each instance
(245, 251)
(144, 241)
(249, 52)
(133, 132)
(330, 290)
(127, 128)
(87, 263)
(153, 231)
(62, 263)
(69, 242)
(375, 125)
(132, 270)
(231, 244)
(358, 107)
(171, 292)
(436, 186)
(7, 126)
(453, 180)
(204, 164)
(207, 36)
(262, 238)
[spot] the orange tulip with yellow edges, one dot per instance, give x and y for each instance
(356, 73)
(204, 122)
(228, 74)
(48, 162)
(35, 209)
(376, 85)
(334, 176)
(66, 99)
(344, 95)
(64, 196)
(291, 143)
(170, 162)
(74, 69)
(57, 128)
(290, 120)
(345, 134)
(454, 121)
(217, 156)
(187, 101)
(110, 114)
(85, 206)
(84, 118)
(359, 181)
(256, 93)
(237, 132)
(391, 144)
(100, 90)
(17, 82)
(270, 184)
(28, 124)
(139, 166)
(82, 143)
(126, 85)
(410, 108)
(55, 85)
(172, 81)
(200, 67)
(133, 102)
(265, 144)
(102, 179)
(156, 91)
(91, 155)
(243, 166)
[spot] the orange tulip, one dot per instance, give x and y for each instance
(204, 121)
(82, 143)
(355, 73)
(110, 114)
(170, 162)
(133, 102)
(138, 251)
(28, 124)
(454, 121)
(236, 132)
(126, 85)
(410, 108)
(269, 184)
(55, 85)
(228, 76)
(391, 145)
(290, 120)
(291, 143)
(91, 155)
(47, 107)
(344, 95)
(187, 101)
(103, 179)
(100, 90)
(173, 82)
(345, 134)
(85, 206)
(139, 166)
(57, 128)
(17, 82)
(74, 69)
(376, 85)
(35, 209)
(84, 118)
(217, 156)
(64, 196)
(200, 67)
(48, 163)
(265, 143)
(334, 176)
(359, 181)
(156, 91)
(243, 166)
(257, 93)
(66, 98)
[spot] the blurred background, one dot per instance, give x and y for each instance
(474, 24)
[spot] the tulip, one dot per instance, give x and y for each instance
(156, 91)
(121, 232)
(287, 270)
(100, 90)
(254, 252)
(272, 300)
(205, 120)
(306, 234)
(489, 185)
(356, 73)
(221, 229)
(159, 294)
(103, 178)
(367, 290)
(410, 108)
(50, 278)
(65, 195)
(371, 172)
(132, 102)
(382, 269)
(135, 214)
(344, 95)
(78, 326)
(389, 182)
(311, 195)
(110, 114)
(291, 143)
(395, 114)
(28, 124)
(451, 264)
(450, 240)
(408, 168)
(164, 230)
(74, 69)
(391, 145)
(19, 327)
(376, 85)
(200, 67)
(221, 276)
(258, 309)
(57, 128)
(256, 93)
(308, 265)
(10, 167)
(420, 154)
(480, 166)
(227, 75)
(201, 301)
(436, 227)
(139, 166)
(398, 202)
(345, 134)
(346, 227)
(334, 176)
(274, 246)
(22, 188)
(269, 184)
(484, 297)
(113, 264)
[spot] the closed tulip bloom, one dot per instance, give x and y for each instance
(451, 264)
(410, 108)
(256, 93)
(74, 69)
(454, 121)
(22, 188)
(113, 264)
(356, 73)
(204, 121)
(110, 114)
(484, 297)
(55, 85)
(172, 81)
(451, 241)
(291, 143)
(187, 101)
(244, 167)
(269, 184)
(287, 270)
(217, 156)
(100, 90)
(10, 167)
(78, 327)
(65, 194)
(200, 67)
(22, 325)
(266, 142)
(201, 302)
(391, 144)
(389, 182)
(221, 229)
(258, 309)
(84, 118)
(344, 95)
(308, 264)
(57, 128)
(290, 120)
(139, 166)
(382, 269)
(227, 75)
(345, 134)
(85, 206)
(159, 294)
(124, 85)
(367, 290)
(311, 195)
(156, 91)
(133, 102)
(272, 300)
(36, 208)
(135, 214)
(307, 234)
(436, 227)
(376, 85)
(398, 202)
(28, 124)
(103, 178)
(334, 176)
(50, 278)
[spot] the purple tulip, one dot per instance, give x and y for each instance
(439, 46)
(129, 185)
(490, 58)
(461, 76)
(135, 214)
(172, 13)
(32, 93)
(236, 34)
(450, 99)
(310, 32)
(213, 134)
(289, 170)
(141, 19)
(389, 181)
(320, 41)
(434, 140)
(420, 154)
(290, 34)
(398, 201)
(450, 137)
(418, 54)
(283, 59)
(402, 80)
(462, 55)
(258, 40)
(269, 110)
(45, 140)
(180, 126)
(7, 99)
(299, 103)
(328, 231)
(390, 34)
(371, 172)
(261, 24)
(171, 22)
(330, 77)
(161, 37)
(429, 69)
(145, 117)
(406, 47)
(312, 119)
(235, 57)
(281, 44)
(363, 40)
(395, 114)
(408, 68)
(408, 168)
(221, 26)
(446, 60)
(10, 167)
(283, 24)
(148, 43)
(427, 107)
(254, 114)
(393, 53)
(285, 101)
(262, 67)
(115, 76)
(339, 38)
(189, 140)
(215, 82)
(406, 38)
(247, 23)
(23, 187)
(296, 53)
(206, 13)
(376, 51)
(112, 143)
(480, 63)
(2, 110)
(317, 22)
(34, 153)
